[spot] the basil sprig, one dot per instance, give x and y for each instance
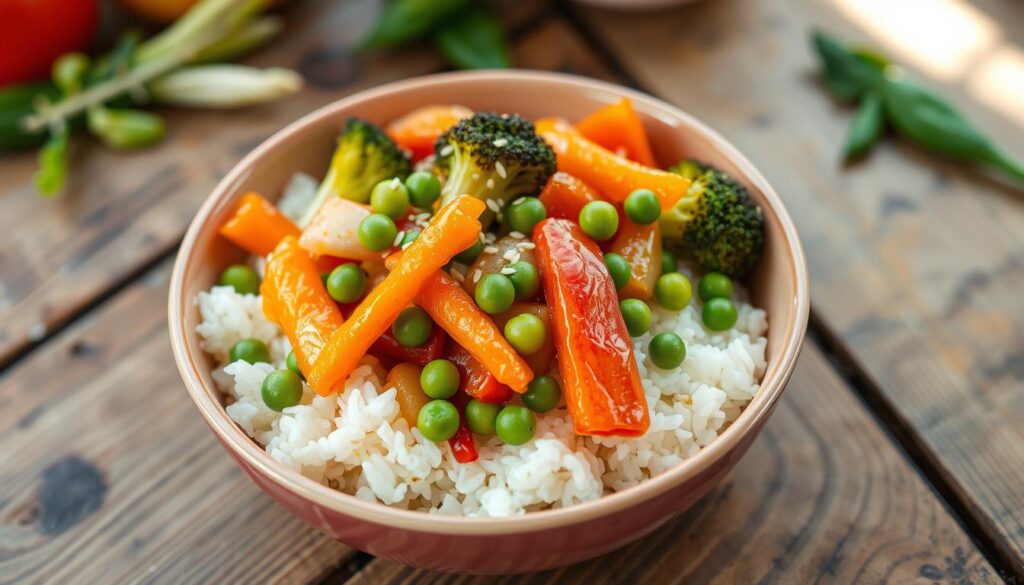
(888, 98)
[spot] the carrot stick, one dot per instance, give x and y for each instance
(612, 175)
(417, 130)
(640, 245)
(453, 229)
(295, 298)
(451, 307)
(617, 127)
(565, 195)
(257, 226)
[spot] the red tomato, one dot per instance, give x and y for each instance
(35, 32)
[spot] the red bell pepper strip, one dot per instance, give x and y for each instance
(565, 195)
(600, 377)
(387, 345)
(462, 445)
(475, 380)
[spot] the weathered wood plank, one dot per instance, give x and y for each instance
(823, 496)
(124, 210)
(917, 265)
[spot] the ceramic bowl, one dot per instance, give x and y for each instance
(533, 541)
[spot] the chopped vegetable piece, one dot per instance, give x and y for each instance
(525, 279)
(600, 379)
(387, 346)
(281, 389)
(640, 245)
(440, 379)
(242, 278)
(391, 198)
(714, 285)
(424, 188)
(418, 130)
(719, 314)
(642, 207)
(618, 128)
(543, 394)
(637, 315)
(524, 213)
(293, 365)
(454, 228)
(438, 420)
(613, 176)
(540, 360)
(257, 226)
(405, 379)
(564, 196)
(377, 232)
(249, 350)
(294, 297)
(475, 380)
(496, 258)
(495, 293)
(673, 291)
(453, 309)
(346, 283)
(515, 425)
(526, 333)
(599, 220)
(412, 328)
(481, 416)
(618, 268)
(667, 350)
(461, 444)
(334, 231)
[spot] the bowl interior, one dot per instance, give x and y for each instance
(778, 284)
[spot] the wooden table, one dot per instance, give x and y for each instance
(897, 454)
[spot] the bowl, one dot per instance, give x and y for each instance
(534, 541)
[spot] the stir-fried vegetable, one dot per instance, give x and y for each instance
(419, 129)
(601, 382)
(295, 298)
(475, 380)
(405, 379)
(423, 354)
(462, 445)
(453, 229)
(618, 128)
(640, 245)
(612, 175)
(257, 226)
(564, 196)
(540, 360)
(334, 231)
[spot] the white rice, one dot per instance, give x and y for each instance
(358, 442)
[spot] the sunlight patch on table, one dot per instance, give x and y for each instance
(998, 82)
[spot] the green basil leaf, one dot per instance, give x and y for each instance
(53, 164)
(406, 20)
(474, 40)
(867, 126)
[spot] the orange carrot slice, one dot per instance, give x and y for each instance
(612, 175)
(618, 128)
(453, 229)
(565, 195)
(640, 245)
(295, 298)
(417, 130)
(257, 226)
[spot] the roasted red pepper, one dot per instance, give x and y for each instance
(600, 378)
(387, 345)
(475, 380)
(462, 443)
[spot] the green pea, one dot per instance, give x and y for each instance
(250, 350)
(542, 394)
(515, 425)
(409, 237)
(637, 316)
(495, 293)
(669, 262)
(440, 379)
(673, 291)
(525, 279)
(719, 314)
(470, 254)
(642, 207)
(714, 285)
(240, 277)
(599, 220)
(667, 350)
(619, 268)
(481, 416)
(424, 189)
(438, 420)
(377, 232)
(391, 198)
(413, 327)
(346, 283)
(526, 333)
(281, 389)
(525, 213)
(293, 365)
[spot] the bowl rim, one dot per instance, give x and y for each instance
(241, 445)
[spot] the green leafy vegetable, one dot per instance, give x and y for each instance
(406, 20)
(19, 101)
(914, 111)
(125, 128)
(53, 164)
(473, 40)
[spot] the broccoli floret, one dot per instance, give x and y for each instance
(715, 223)
(493, 156)
(364, 157)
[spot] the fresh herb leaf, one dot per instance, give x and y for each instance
(473, 40)
(53, 164)
(406, 20)
(866, 127)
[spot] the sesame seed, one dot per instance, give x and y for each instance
(447, 150)
(508, 270)
(490, 183)
(501, 169)
(476, 176)
(490, 250)
(476, 275)
(398, 238)
(458, 275)
(510, 254)
(500, 142)
(493, 205)
(526, 245)
(406, 245)
(516, 235)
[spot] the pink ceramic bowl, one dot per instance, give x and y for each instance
(489, 545)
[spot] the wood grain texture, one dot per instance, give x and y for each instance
(124, 210)
(822, 497)
(916, 264)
